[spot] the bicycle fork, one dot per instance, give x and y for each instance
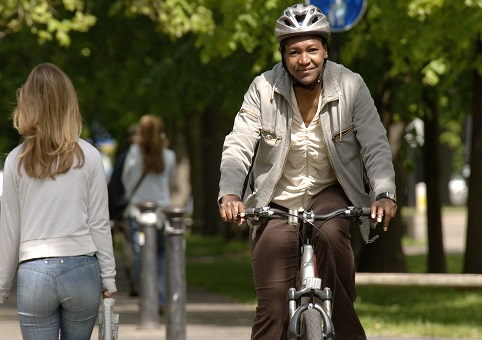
(304, 298)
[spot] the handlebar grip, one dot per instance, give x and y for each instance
(247, 212)
(255, 212)
(359, 211)
(250, 211)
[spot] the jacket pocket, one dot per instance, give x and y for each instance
(346, 145)
(338, 137)
(269, 144)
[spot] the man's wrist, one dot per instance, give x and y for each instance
(388, 195)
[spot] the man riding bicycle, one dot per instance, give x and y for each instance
(307, 135)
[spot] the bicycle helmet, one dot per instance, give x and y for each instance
(302, 19)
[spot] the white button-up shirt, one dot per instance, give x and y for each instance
(307, 170)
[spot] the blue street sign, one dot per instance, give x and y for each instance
(342, 14)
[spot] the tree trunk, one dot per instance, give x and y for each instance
(206, 135)
(195, 150)
(473, 250)
(212, 142)
(431, 155)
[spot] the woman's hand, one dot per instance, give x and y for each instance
(230, 207)
(383, 210)
(107, 295)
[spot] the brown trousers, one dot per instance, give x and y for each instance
(275, 261)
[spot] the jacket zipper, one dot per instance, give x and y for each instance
(286, 154)
(335, 171)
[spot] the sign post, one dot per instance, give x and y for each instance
(342, 14)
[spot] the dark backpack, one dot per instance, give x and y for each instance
(117, 195)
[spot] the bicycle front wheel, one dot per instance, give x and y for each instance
(311, 325)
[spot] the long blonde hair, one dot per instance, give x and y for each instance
(48, 117)
(151, 143)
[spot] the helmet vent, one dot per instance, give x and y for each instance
(300, 19)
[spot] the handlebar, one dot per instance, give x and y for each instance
(293, 216)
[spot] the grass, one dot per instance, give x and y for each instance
(421, 312)
(211, 261)
(384, 311)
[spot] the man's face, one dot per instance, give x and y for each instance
(304, 57)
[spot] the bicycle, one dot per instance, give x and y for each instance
(309, 320)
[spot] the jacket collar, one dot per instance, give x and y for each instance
(282, 83)
(331, 81)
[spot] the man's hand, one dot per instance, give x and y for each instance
(383, 210)
(230, 207)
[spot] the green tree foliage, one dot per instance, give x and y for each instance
(46, 19)
(191, 61)
(419, 57)
(243, 25)
(173, 17)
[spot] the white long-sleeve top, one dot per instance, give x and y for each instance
(153, 186)
(65, 216)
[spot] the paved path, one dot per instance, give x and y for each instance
(210, 316)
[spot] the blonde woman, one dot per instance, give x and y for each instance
(148, 169)
(55, 220)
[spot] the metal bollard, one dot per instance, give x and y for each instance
(148, 292)
(175, 274)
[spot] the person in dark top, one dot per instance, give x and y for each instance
(117, 204)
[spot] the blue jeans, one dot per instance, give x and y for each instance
(58, 295)
(134, 228)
